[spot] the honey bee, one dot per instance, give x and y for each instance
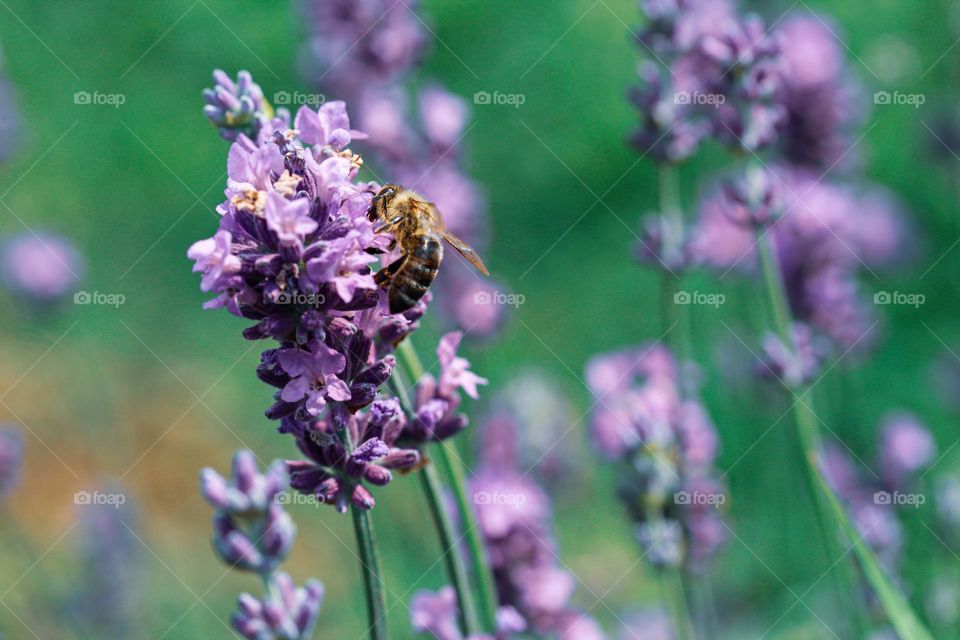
(417, 228)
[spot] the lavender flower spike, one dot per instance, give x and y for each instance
(285, 613)
(236, 107)
(252, 532)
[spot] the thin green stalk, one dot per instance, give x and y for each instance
(456, 568)
(452, 465)
(673, 595)
(898, 610)
(446, 531)
(369, 567)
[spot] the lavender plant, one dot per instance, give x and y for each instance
(294, 254)
(252, 532)
(725, 77)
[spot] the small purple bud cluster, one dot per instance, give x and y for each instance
(513, 515)
(906, 449)
(236, 107)
(707, 72)
(437, 614)
(252, 532)
(286, 612)
(334, 474)
(667, 445)
(418, 141)
(794, 365)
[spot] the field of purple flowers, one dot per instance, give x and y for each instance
(707, 390)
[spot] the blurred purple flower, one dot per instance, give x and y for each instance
(513, 515)
(906, 447)
(666, 445)
(41, 268)
(818, 93)
(11, 459)
(286, 612)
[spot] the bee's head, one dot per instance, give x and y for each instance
(381, 202)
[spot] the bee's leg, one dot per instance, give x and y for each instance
(386, 274)
(374, 251)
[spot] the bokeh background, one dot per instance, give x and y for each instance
(137, 398)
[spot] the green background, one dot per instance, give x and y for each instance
(150, 392)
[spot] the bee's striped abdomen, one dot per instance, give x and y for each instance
(415, 276)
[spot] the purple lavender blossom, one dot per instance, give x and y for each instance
(236, 107)
(41, 268)
(252, 532)
(666, 444)
(436, 402)
(906, 447)
(335, 472)
(11, 459)
(826, 234)
(353, 44)
(513, 515)
(796, 364)
(817, 92)
(286, 612)
(706, 72)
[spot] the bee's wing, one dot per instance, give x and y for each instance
(465, 250)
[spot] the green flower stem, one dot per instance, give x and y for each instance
(457, 570)
(828, 506)
(452, 464)
(369, 567)
(446, 531)
(673, 595)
